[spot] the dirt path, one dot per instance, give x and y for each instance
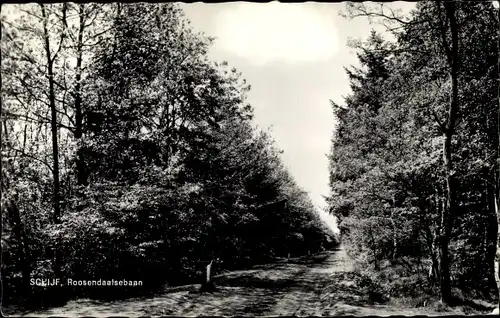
(319, 285)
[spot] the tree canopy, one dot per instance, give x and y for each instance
(413, 164)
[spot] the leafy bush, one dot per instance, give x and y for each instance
(371, 288)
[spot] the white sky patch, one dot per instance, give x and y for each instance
(276, 31)
(330, 220)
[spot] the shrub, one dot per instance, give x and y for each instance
(372, 289)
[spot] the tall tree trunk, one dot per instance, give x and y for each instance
(445, 229)
(497, 241)
(55, 146)
(448, 213)
(432, 238)
(81, 174)
(491, 226)
(1, 151)
(497, 192)
(393, 224)
(18, 229)
(433, 273)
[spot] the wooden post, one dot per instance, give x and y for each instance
(208, 285)
(209, 268)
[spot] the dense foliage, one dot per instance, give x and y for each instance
(127, 153)
(388, 174)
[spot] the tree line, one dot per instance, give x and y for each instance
(128, 154)
(414, 164)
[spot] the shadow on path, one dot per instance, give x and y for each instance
(319, 285)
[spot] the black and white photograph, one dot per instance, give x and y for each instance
(256, 159)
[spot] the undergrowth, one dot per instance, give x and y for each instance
(398, 284)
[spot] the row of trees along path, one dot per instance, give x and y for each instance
(414, 162)
(128, 154)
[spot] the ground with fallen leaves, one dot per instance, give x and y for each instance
(319, 285)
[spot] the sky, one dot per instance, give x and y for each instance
(293, 56)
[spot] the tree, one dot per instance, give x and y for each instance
(497, 192)
(449, 131)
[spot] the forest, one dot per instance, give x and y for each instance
(128, 154)
(414, 163)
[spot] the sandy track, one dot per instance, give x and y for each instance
(320, 285)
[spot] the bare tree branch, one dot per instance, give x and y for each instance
(22, 153)
(63, 32)
(363, 11)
